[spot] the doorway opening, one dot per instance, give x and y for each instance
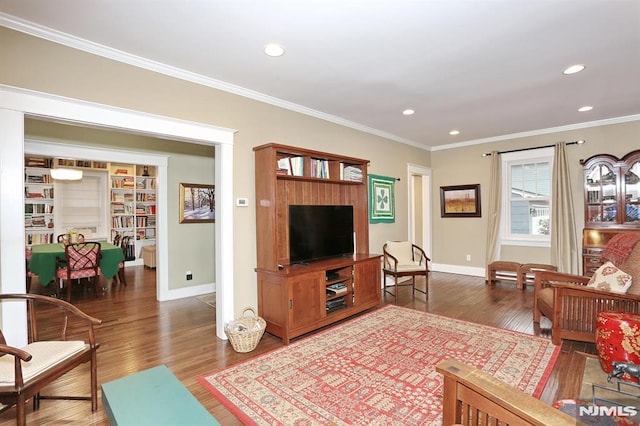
(419, 208)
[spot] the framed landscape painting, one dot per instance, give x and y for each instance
(197, 203)
(460, 201)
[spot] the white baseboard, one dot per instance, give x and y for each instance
(198, 290)
(457, 269)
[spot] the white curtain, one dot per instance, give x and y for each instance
(564, 243)
(493, 225)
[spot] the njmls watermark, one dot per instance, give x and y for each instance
(602, 410)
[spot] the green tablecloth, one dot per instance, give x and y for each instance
(43, 260)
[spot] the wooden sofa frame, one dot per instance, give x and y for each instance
(472, 397)
(575, 307)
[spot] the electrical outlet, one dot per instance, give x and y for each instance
(189, 275)
(468, 258)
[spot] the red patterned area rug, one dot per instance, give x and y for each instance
(377, 368)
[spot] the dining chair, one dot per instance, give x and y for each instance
(120, 276)
(82, 260)
(28, 274)
(61, 238)
(26, 371)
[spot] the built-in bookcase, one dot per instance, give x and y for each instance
(133, 193)
(38, 201)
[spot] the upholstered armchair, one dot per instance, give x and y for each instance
(572, 306)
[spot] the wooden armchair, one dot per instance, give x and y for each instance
(572, 307)
(25, 371)
(404, 259)
(472, 397)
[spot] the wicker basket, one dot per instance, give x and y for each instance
(245, 332)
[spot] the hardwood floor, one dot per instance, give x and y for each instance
(139, 333)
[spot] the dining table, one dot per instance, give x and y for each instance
(43, 260)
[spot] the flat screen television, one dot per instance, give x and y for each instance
(319, 232)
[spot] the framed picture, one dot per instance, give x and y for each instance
(460, 201)
(197, 203)
(382, 204)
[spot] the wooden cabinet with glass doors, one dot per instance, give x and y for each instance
(612, 202)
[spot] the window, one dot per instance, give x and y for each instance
(526, 195)
(82, 204)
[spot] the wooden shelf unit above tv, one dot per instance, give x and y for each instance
(289, 295)
(275, 192)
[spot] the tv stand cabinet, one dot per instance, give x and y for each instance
(299, 299)
(293, 299)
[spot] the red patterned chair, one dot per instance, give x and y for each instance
(81, 260)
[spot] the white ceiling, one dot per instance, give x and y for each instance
(489, 68)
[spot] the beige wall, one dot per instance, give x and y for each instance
(47, 67)
(466, 166)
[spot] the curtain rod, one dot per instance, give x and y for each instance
(488, 154)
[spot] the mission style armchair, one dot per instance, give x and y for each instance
(24, 372)
(572, 307)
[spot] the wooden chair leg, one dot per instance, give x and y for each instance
(121, 277)
(21, 411)
(395, 295)
(96, 281)
(94, 382)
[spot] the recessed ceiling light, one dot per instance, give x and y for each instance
(274, 50)
(454, 132)
(408, 111)
(573, 69)
(585, 108)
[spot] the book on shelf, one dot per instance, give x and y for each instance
(290, 166)
(319, 168)
(297, 166)
(284, 166)
(350, 173)
(336, 292)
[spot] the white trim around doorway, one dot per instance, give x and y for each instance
(17, 104)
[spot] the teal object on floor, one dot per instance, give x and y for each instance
(153, 397)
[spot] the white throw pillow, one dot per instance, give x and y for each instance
(610, 278)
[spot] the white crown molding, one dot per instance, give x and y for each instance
(68, 40)
(577, 126)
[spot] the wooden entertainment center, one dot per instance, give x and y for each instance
(297, 299)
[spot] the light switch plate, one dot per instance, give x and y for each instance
(242, 202)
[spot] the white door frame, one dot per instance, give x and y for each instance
(16, 104)
(425, 173)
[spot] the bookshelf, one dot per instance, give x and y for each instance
(298, 299)
(132, 194)
(38, 201)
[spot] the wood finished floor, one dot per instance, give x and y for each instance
(139, 333)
